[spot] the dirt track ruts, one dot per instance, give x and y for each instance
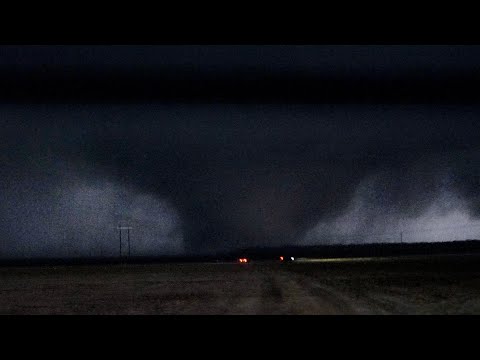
(165, 289)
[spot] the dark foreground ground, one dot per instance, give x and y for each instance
(440, 284)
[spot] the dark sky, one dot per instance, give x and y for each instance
(211, 148)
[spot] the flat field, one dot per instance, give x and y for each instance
(448, 284)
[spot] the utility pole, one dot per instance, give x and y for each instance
(128, 237)
(120, 228)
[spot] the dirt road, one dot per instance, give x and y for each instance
(166, 289)
(428, 285)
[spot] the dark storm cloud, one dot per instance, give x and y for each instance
(314, 74)
(224, 147)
